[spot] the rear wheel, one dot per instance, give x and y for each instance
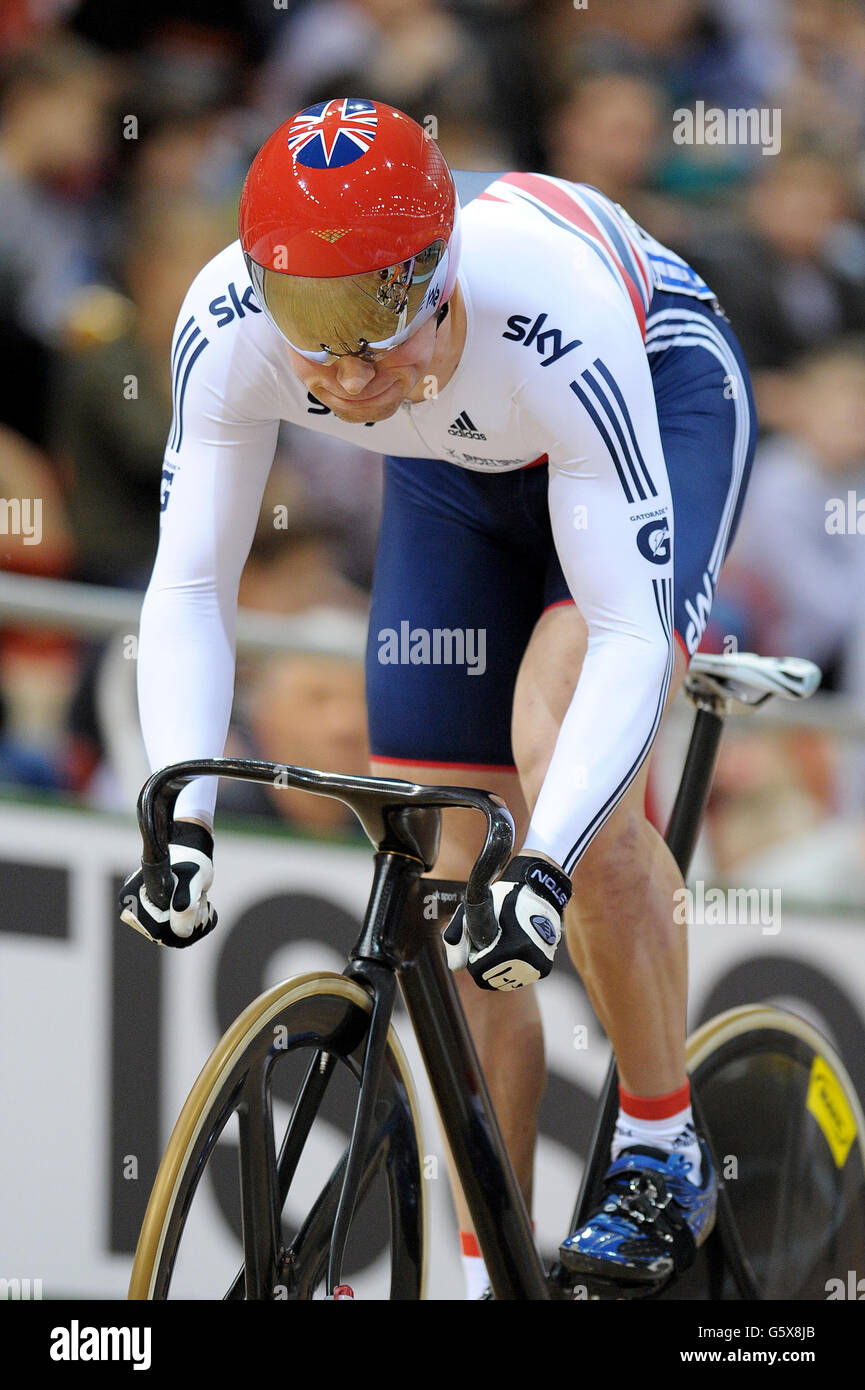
(786, 1127)
(297, 1050)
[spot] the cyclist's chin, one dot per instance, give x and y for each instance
(379, 407)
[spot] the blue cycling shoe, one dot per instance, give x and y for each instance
(651, 1221)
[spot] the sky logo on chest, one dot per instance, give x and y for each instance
(546, 341)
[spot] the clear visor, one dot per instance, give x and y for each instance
(352, 315)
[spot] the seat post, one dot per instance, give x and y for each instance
(691, 797)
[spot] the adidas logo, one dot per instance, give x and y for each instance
(465, 428)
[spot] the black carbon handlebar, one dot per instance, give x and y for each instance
(386, 808)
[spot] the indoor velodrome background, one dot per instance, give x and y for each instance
(733, 131)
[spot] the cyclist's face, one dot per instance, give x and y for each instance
(356, 390)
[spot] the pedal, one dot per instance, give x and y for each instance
(579, 1287)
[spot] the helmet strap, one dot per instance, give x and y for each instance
(442, 314)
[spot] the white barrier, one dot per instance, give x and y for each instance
(102, 1035)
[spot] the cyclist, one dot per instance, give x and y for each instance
(568, 430)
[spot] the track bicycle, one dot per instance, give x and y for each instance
(767, 1087)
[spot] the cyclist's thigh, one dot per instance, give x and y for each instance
(458, 585)
(546, 682)
(708, 430)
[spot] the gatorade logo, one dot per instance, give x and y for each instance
(653, 541)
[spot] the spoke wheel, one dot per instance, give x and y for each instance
(295, 1050)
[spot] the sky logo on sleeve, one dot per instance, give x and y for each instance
(240, 305)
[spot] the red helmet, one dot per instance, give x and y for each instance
(349, 223)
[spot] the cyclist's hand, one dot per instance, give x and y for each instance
(529, 900)
(190, 915)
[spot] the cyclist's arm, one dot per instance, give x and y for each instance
(626, 600)
(215, 471)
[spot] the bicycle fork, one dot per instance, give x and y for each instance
(383, 981)
(396, 939)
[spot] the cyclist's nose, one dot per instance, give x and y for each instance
(353, 375)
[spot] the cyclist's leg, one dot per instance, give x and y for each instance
(457, 552)
(620, 928)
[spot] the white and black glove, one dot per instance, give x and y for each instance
(190, 915)
(529, 900)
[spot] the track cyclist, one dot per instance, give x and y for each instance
(568, 430)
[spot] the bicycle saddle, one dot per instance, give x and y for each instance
(749, 679)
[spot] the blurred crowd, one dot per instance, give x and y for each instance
(125, 134)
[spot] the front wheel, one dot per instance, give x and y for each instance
(302, 1043)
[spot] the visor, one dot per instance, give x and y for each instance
(352, 315)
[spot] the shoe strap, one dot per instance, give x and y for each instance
(643, 1200)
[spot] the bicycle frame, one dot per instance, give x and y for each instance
(402, 820)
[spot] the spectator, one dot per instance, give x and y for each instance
(769, 788)
(308, 711)
(113, 403)
(294, 563)
(780, 275)
(677, 44)
(610, 130)
(340, 485)
(35, 537)
(37, 666)
(416, 55)
(23, 766)
(606, 133)
(183, 136)
(822, 86)
(811, 575)
(53, 100)
(774, 821)
(291, 570)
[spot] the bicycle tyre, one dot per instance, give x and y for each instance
(788, 1133)
(326, 1015)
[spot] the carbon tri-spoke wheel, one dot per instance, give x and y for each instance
(290, 1065)
(787, 1128)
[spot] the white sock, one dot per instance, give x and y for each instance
(474, 1269)
(675, 1133)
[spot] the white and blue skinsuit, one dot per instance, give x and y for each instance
(592, 446)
